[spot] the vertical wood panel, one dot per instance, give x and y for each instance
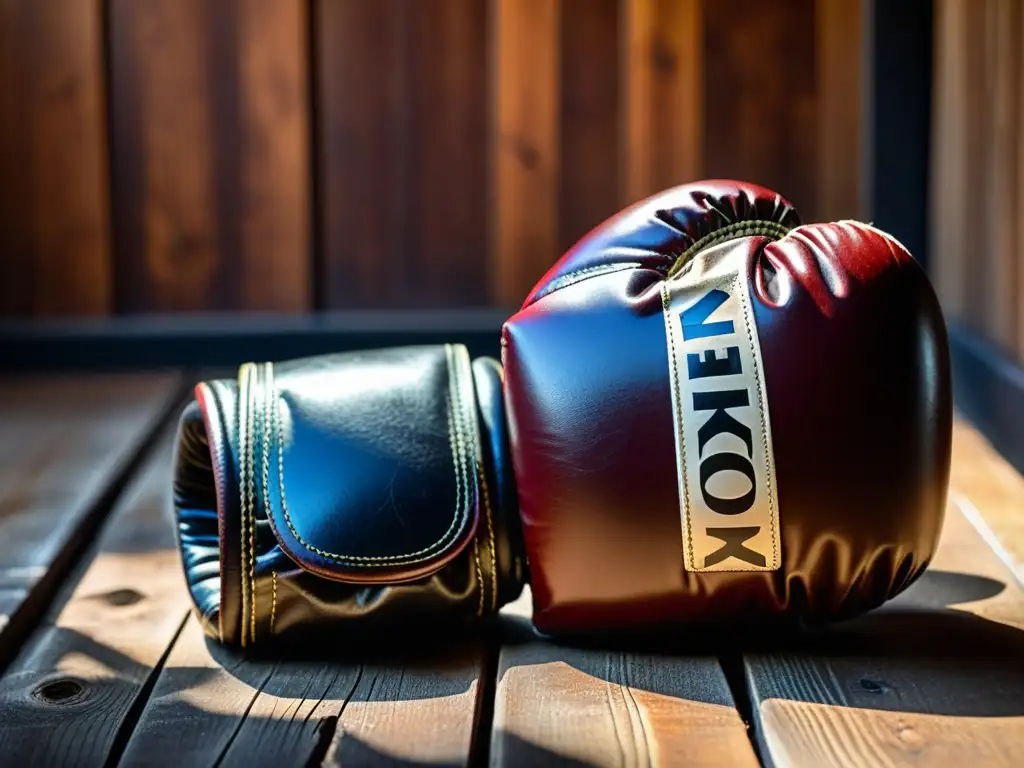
(760, 100)
(663, 95)
(1018, 211)
(589, 117)
(54, 224)
(999, 298)
(448, 163)
(840, 44)
(947, 230)
(974, 169)
(362, 125)
(210, 139)
(276, 179)
(971, 205)
(403, 138)
(525, 145)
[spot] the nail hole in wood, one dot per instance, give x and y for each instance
(60, 691)
(871, 686)
(123, 597)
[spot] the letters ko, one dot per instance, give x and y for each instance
(726, 406)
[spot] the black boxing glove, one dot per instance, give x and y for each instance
(360, 488)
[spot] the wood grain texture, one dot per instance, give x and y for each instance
(760, 97)
(960, 247)
(983, 481)
(54, 220)
(935, 677)
(70, 690)
(998, 308)
(526, 163)
(404, 144)
(66, 442)
(566, 706)
(663, 96)
(210, 142)
(589, 124)
(1018, 209)
(840, 57)
(211, 707)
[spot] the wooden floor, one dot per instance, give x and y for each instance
(101, 663)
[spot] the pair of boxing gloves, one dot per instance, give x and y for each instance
(704, 412)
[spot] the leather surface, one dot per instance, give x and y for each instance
(390, 457)
(858, 387)
(653, 233)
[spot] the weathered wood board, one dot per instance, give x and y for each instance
(67, 445)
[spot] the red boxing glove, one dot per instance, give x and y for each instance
(716, 412)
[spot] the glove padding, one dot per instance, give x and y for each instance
(347, 490)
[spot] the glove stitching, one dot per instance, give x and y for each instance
(571, 278)
(665, 301)
(273, 599)
(490, 535)
(456, 416)
(737, 229)
(245, 441)
(254, 418)
(761, 411)
(479, 577)
(268, 384)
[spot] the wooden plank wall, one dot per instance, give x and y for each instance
(977, 178)
(301, 155)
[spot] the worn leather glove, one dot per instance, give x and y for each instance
(360, 489)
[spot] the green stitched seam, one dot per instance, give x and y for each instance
(737, 229)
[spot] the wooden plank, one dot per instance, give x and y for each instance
(760, 97)
(1002, 45)
(69, 694)
(840, 60)
(1018, 193)
(276, 201)
(447, 211)
(948, 225)
(67, 444)
(978, 241)
(588, 191)
(990, 491)
(526, 163)
(560, 705)
(210, 140)
(361, 123)
(54, 223)
(663, 95)
(935, 677)
(211, 707)
(403, 122)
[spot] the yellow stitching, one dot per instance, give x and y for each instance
(245, 440)
(386, 560)
(761, 408)
(479, 577)
(241, 487)
(490, 535)
(268, 380)
(255, 395)
(273, 599)
(679, 418)
(746, 228)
